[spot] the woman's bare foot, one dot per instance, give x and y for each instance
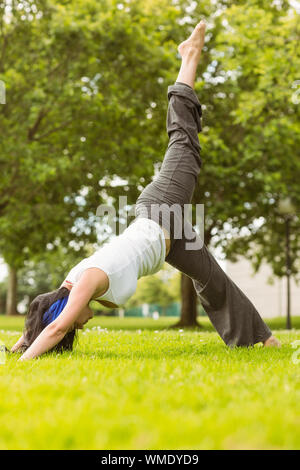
(194, 43)
(272, 342)
(190, 51)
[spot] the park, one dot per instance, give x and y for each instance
(115, 333)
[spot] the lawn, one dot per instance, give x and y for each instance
(134, 384)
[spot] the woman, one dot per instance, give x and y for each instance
(111, 274)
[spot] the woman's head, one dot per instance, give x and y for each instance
(85, 315)
(42, 311)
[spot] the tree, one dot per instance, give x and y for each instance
(267, 115)
(87, 101)
(79, 115)
(250, 126)
(188, 317)
(2, 297)
(45, 272)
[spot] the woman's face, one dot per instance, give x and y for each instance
(85, 315)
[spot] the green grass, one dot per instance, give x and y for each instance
(125, 387)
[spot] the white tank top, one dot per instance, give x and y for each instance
(139, 251)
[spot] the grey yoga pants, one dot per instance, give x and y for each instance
(233, 315)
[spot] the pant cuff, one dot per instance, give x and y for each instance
(182, 89)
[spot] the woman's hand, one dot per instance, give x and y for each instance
(17, 346)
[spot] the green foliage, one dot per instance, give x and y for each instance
(161, 288)
(86, 89)
(260, 45)
(75, 113)
(45, 273)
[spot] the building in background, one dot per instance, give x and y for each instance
(269, 299)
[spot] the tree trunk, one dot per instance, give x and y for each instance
(11, 297)
(2, 305)
(189, 299)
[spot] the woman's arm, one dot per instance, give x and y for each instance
(91, 281)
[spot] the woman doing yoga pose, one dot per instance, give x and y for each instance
(110, 275)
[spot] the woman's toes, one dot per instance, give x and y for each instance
(201, 25)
